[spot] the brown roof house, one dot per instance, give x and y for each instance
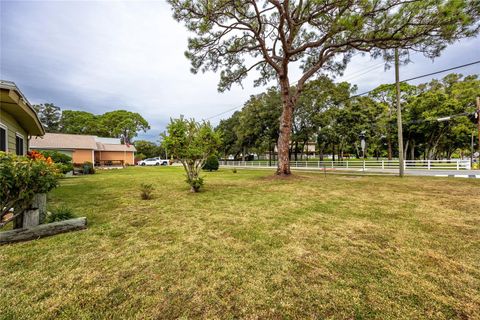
(86, 148)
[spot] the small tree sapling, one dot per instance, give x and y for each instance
(191, 143)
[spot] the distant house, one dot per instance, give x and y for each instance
(87, 148)
(18, 120)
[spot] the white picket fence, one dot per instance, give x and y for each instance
(455, 164)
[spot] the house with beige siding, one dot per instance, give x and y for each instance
(87, 148)
(18, 120)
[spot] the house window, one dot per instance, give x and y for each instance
(19, 145)
(3, 137)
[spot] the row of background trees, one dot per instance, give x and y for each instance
(114, 124)
(330, 115)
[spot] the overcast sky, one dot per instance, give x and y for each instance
(99, 56)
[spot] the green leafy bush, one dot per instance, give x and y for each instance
(88, 168)
(146, 191)
(65, 168)
(195, 183)
(211, 164)
(20, 179)
(60, 214)
(63, 161)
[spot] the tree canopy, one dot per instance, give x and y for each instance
(149, 149)
(49, 115)
(124, 124)
(115, 124)
(329, 115)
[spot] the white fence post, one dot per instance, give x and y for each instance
(428, 164)
(383, 164)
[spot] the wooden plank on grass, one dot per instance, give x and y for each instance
(43, 230)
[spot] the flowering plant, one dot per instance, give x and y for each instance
(35, 155)
(20, 179)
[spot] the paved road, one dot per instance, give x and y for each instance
(434, 173)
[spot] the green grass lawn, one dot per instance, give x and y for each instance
(249, 246)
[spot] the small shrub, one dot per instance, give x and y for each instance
(234, 170)
(60, 214)
(88, 168)
(195, 184)
(146, 191)
(211, 164)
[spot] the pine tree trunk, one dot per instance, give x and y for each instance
(283, 167)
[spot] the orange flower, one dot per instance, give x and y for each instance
(35, 155)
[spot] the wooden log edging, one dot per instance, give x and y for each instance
(43, 230)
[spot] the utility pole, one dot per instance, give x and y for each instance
(478, 128)
(478, 122)
(399, 116)
(472, 150)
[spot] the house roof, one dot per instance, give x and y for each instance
(108, 140)
(114, 147)
(64, 141)
(76, 141)
(14, 102)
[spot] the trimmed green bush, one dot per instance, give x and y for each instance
(211, 164)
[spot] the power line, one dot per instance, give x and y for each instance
(368, 70)
(422, 76)
(442, 119)
(222, 113)
(367, 92)
(441, 71)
